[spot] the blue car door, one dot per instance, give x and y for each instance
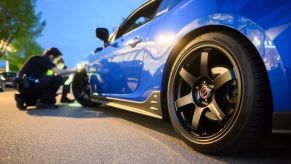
(117, 68)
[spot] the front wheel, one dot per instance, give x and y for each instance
(218, 95)
(81, 90)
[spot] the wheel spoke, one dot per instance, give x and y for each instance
(204, 64)
(224, 78)
(215, 110)
(211, 116)
(196, 118)
(187, 77)
(188, 99)
(81, 93)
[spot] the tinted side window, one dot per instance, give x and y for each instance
(167, 5)
(142, 16)
(138, 22)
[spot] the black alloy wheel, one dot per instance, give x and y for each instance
(211, 94)
(81, 90)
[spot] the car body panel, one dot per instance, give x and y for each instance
(266, 24)
(119, 66)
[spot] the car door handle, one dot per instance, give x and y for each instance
(135, 42)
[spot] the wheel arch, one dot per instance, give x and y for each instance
(183, 42)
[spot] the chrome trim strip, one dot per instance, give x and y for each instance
(150, 107)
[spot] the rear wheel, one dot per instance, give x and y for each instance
(218, 94)
(81, 90)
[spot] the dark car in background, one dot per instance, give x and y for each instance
(2, 83)
(9, 78)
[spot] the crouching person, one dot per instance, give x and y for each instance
(34, 86)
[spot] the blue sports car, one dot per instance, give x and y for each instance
(218, 69)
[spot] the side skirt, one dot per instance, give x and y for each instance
(281, 122)
(150, 107)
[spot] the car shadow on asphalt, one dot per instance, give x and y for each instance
(79, 112)
(274, 147)
(66, 111)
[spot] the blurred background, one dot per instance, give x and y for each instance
(30, 26)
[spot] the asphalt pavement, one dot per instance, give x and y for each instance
(74, 134)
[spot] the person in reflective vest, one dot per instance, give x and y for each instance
(67, 81)
(35, 84)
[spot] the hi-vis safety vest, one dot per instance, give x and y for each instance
(49, 72)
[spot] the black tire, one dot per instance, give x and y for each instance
(218, 94)
(81, 90)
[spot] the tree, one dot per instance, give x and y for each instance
(18, 20)
(23, 49)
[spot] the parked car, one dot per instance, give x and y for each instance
(220, 70)
(2, 83)
(9, 78)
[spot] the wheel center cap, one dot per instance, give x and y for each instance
(205, 92)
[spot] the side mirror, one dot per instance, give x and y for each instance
(98, 50)
(102, 34)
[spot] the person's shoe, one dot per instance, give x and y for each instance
(43, 105)
(67, 100)
(19, 102)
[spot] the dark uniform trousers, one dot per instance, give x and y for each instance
(43, 89)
